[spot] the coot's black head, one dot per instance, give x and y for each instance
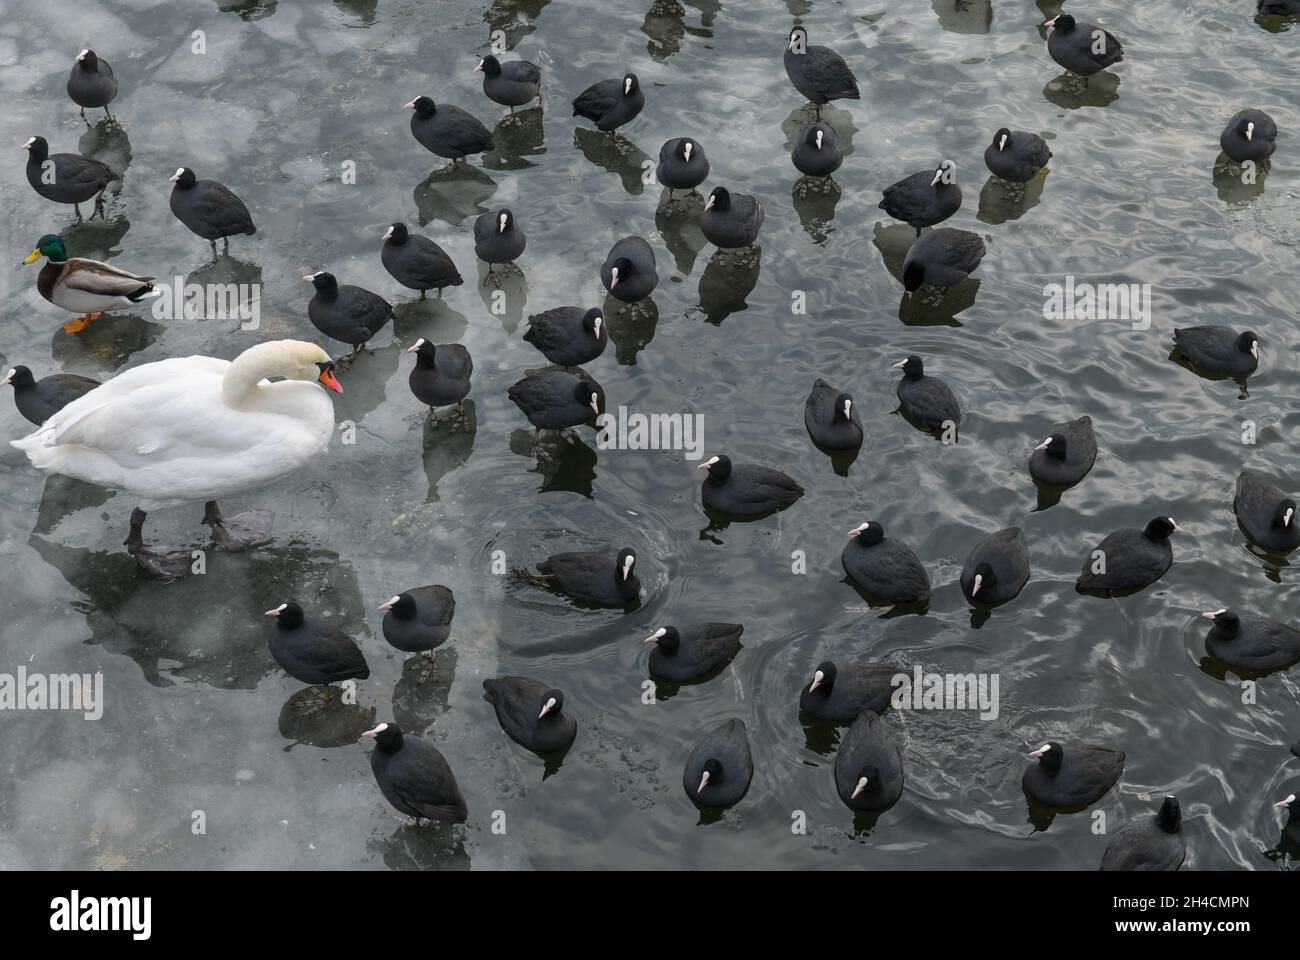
(985, 578)
(912, 367)
(401, 606)
(630, 85)
(843, 409)
(323, 282)
(719, 468)
(505, 220)
(667, 638)
(1054, 446)
(1161, 528)
(1050, 756)
(1225, 622)
(1001, 137)
(798, 40)
(38, 148)
(626, 563)
(586, 394)
(87, 60)
(913, 277)
(823, 678)
(945, 174)
(686, 148)
(1284, 515)
(868, 776)
(712, 774)
(388, 737)
(184, 178)
(423, 107)
(1170, 817)
(620, 270)
(868, 534)
(593, 321)
(1063, 23)
(425, 353)
(396, 233)
(817, 135)
(20, 378)
(1249, 343)
(489, 65)
(552, 704)
(719, 199)
(288, 616)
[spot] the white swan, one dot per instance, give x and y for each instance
(193, 430)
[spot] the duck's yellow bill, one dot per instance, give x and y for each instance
(35, 255)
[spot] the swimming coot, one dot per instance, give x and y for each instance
(746, 489)
(1081, 48)
(869, 764)
(1067, 454)
(568, 336)
(831, 418)
(448, 131)
(38, 400)
(1266, 512)
(1219, 349)
(417, 262)
(419, 620)
(1250, 642)
(819, 73)
(511, 84)
(71, 178)
(315, 653)
(1249, 135)
(414, 776)
(1130, 559)
(628, 272)
(498, 239)
(91, 83)
(555, 399)
(209, 209)
(942, 258)
(817, 151)
(601, 577)
(1017, 156)
(531, 713)
(731, 220)
(927, 400)
(1071, 778)
(886, 569)
(925, 198)
(442, 372)
(694, 651)
(997, 569)
(610, 104)
(1149, 843)
(719, 767)
(350, 314)
(839, 693)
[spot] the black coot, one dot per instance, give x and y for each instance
(817, 150)
(1249, 135)
(531, 713)
(731, 221)
(997, 569)
(1292, 806)
(38, 400)
(601, 577)
(498, 239)
(448, 131)
(869, 764)
(1071, 778)
(568, 336)
(682, 164)
(746, 489)
(1219, 349)
(417, 262)
(1149, 843)
(628, 272)
(886, 569)
(942, 258)
(610, 103)
(831, 418)
(925, 198)
(419, 620)
(719, 767)
(1250, 642)
(91, 83)
(1067, 454)
(414, 776)
(1016, 156)
(75, 179)
(209, 209)
(555, 399)
(1130, 559)
(838, 693)
(1266, 512)
(927, 400)
(441, 374)
(693, 652)
(819, 73)
(1081, 48)
(511, 84)
(350, 314)
(1282, 8)
(315, 653)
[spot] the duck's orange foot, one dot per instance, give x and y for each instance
(76, 326)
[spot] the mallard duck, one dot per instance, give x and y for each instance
(84, 286)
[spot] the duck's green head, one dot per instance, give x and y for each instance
(50, 246)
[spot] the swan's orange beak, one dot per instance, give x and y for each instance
(327, 377)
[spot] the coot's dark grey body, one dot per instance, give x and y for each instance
(1221, 350)
(442, 372)
(886, 569)
(209, 209)
(869, 771)
(601, 577)
(511, 84)
(448, 131)
(419, 620)
(568, 336)
(1073, 44)
(746, 489)
(610, 103)
(681, 168)
(346, 313)
(417, 262)
(415, 777)
(1249, 135)
(38, 400)
(731, 220)
(924, 199)
(927, 400)
(637, 277)
(1266, 512)
(1150, 843)
(1133, 559)
(91, 83)
(1016, 156)
(313, 652)
(683, 654)
(817, 156)
(524, 710)
(555, 399)
(724, 753)
(840, 692)
(1001, 563)
(942, 258)
(1251, 642)
(1073, 776)
(1067, 454)
(819, 73)
(75, 179)
(824, 416)
(498, 242)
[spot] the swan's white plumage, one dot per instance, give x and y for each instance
(168, 433)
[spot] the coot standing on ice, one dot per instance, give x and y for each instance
(682, 165)
(1081, 48)
(511, 84)
(555, 399)
(731, 221)
(314, 652)
(209, 209)
(610, 104)
(498, 239)
(1249, 135)
(568, 336)
(414, 776)
(91, 83)
(448, 131)
(925, 198)
(819, 73)
(72, 179)
(346, 313)
(628, 272)
(941, 259)
(419, 620)
(817, 152)
(417, 262)
(1016, 157)
(38, 400)
(442, 372)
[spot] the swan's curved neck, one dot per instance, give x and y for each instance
(242, 379)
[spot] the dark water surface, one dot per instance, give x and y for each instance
(199, 717)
